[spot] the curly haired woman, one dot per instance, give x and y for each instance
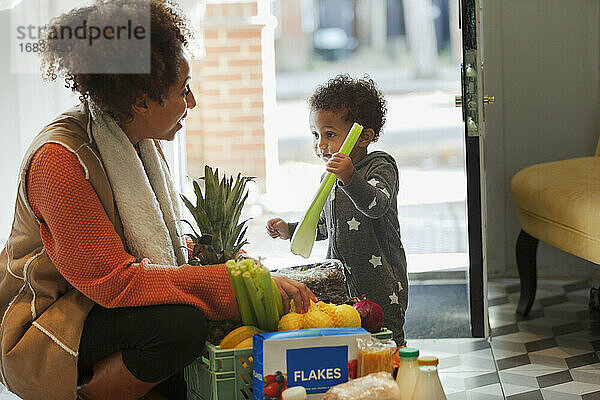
(96, 299)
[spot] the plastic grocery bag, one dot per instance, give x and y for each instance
(326, 280)
(375, 386)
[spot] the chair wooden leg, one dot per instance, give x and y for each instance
(526, 262)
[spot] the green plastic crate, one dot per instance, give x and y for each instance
(227, 374)
(384, 334)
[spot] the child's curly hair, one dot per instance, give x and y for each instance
(116, 93)
(359, 99)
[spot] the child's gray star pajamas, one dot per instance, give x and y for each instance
(361, 222)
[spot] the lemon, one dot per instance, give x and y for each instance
(346, 316)
(291, 321)
(316, 318)
(327, 308)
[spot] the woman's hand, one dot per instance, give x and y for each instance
(294, 290)
(278, 228)
(341, 165)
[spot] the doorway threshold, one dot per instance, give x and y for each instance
(418, 263)
(438, 266)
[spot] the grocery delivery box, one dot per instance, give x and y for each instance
(314, 358)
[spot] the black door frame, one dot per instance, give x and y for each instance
(470, 106)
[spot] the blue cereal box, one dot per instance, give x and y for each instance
(314, 358)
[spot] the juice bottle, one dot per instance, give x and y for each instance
(428, 386)
(374, 356)
(407, 371)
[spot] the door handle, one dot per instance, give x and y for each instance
(489, 99)
(458, 100)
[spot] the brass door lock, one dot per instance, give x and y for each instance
(489, 99)
(458, 101)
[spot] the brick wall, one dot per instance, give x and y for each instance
(226, 129)
(292, 45)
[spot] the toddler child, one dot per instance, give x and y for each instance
(360, 217)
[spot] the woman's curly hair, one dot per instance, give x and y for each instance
(359, 100)
(113, 91)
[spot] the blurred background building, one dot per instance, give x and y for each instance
(259, 62)
(263, 59)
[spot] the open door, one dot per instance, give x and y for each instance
(473, 103)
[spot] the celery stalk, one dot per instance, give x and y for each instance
(247, 265)
(248, 317)
(263, 279)
(306, 231)
(278, 299)
(255, 299)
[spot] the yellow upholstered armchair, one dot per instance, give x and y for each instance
(559, 204)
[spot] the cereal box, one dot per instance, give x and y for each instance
(314, 358)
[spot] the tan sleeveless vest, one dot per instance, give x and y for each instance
(42, 314)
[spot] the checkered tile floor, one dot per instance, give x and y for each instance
(549, 355)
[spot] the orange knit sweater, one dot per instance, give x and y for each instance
(83, 244)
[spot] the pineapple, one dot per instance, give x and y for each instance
(216, 213)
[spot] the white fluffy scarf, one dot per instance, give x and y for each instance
(143, 191)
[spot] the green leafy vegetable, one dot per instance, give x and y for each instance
(306, 231)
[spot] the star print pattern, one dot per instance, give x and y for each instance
(353, 224)
(376, 261)
(373, 203)
(370, 267)
(373, 182)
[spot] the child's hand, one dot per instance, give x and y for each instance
(341, 165)
(278, 228)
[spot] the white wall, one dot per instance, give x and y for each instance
(542, 60)
(8, 128)
(27, 103)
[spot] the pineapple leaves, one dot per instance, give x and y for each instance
(195, 236)
(217, 211)
(199, 215)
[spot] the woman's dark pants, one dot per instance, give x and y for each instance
(157, 342)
